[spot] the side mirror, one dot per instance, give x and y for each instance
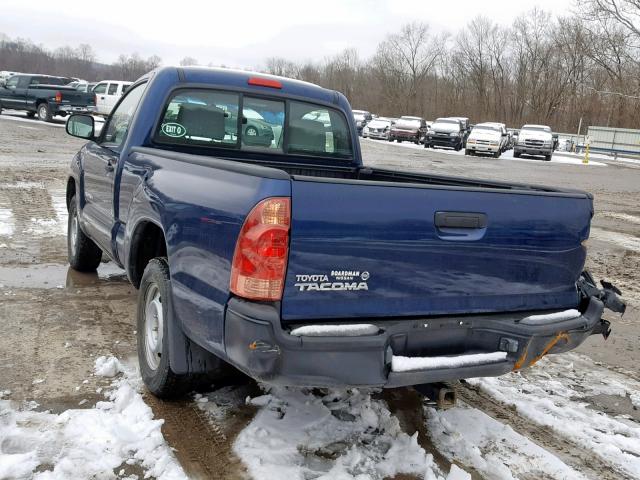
(81, 126)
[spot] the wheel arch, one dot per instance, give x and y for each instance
(148, 241)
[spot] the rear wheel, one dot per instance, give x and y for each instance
(44, 112)
(467, 152)
(399, 140)
(516, 154)
(547, 158)
(391, 139)
(0, 109)
(497, 154)
(84, 255)
(155, 324)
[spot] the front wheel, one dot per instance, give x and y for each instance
(497, 154)
(547, 158)
(44, 113)
(83, 254)
(467, 152)
(516, 154)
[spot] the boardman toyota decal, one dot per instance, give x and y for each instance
(336, 281)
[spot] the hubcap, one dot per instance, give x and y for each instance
(153, 324)
(42, 112)
(73, 234)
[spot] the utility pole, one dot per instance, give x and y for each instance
(578, 135)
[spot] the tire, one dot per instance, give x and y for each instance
(83, 254)
(390, 139)
(0, 109)
(44, 112)
(398, 140)
(417, 141)
(497, 154)
(516, 154)
(547, 158)
(154, 314)
(467, 152)
(31, 114)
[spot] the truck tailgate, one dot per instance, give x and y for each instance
(370, 249)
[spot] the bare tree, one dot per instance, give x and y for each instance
(188, 61)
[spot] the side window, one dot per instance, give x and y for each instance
(101, 88)
(118, 123)
(125, 87)
(113, 88)
(315, 130)
(200, 117)
(23, 82)
(13, 82)
(262, 123)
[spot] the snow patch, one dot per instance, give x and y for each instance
(6, 222)
(335, 330)
(625, 217)
(493, 449)
(108, 366)
(555, 393)
(551, 317)
(408, 364)
(623, 240)
(86, 443)
(344, 434)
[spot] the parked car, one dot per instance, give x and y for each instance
(298, 266)
(408, 128)
(379, 128)
(447, 132)
(83, 86)
(534, 140)
(361, 117)
(5, 75)
(45, 96)
(487, 138)
(108, 92)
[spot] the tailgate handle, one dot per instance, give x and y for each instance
(460, 220)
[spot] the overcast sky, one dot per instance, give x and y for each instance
(242, 33)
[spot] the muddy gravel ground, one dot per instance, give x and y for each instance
(56, 322)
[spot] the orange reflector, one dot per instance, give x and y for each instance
(264, 82)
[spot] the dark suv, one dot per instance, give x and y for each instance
(447, 132)
(408, 128)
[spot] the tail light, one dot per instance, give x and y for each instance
(260, 259)
(58, 97)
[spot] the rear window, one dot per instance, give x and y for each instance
(211, 118)
(48, 81)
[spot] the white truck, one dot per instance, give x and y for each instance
(488, 138)
(534, 140)
(108, 92)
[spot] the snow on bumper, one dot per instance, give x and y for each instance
(257, 344)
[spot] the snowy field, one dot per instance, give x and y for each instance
(347, 434)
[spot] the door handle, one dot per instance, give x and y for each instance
(108, 167)
(468, 220)
(101, 98)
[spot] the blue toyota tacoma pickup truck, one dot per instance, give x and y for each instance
(295, 263)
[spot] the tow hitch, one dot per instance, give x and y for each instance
(440, 395)
(608, 295)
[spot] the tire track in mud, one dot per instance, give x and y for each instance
(203, 448)
(565, 449)
(408, 407)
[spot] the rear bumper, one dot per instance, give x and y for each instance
(256, 343)
(74, 108)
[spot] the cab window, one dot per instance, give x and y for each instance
(319, 131)
(117, 126)
(101, 88)
(113, 88)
